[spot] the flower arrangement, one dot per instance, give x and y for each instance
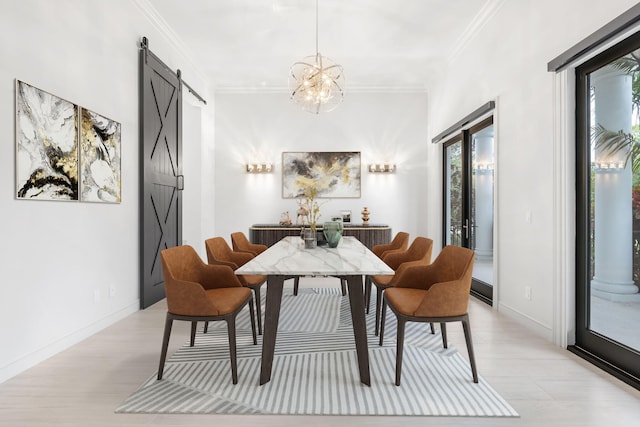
(310, 193)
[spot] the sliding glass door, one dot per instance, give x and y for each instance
(455, 220)
(608, 209)
(468, 200)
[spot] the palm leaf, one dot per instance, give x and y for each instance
(635, 155)
(629, 64)
(612, 143)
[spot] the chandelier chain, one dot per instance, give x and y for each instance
(316, 82)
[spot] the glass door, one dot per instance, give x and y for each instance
(608, 209)
(455, 220)
(468, 200)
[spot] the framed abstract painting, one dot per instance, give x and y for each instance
(64, 151)
(330, 174)
(46, 145)
(99, 158)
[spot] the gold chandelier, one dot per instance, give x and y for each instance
(316, 82)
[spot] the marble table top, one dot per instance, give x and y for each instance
(289, 257)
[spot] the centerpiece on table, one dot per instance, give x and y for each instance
(310, 234)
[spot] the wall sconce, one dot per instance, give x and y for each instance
(259, 168)
(382, 167)
(483, 167)
(608, 166)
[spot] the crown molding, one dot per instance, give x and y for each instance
(174, 40)
(490, 8)
(347, 90)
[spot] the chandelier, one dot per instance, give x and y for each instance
(316, 82)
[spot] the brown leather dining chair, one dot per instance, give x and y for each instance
(199, 292)
(419, 253)
(219, 252)
(438, 293)
(240, 243)
(398, 244)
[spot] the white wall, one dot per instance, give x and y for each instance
(192, 170)
(259, 127)
(56, 255)
(506, 61)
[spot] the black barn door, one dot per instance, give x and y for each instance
(161, 170)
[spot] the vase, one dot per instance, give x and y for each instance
(310, 238)
(332, 231)
(365, 216)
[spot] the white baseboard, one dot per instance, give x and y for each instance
(22, 364)
(533, 325)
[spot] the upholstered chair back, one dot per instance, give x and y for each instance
(399, 242)
(183, 277)
(420, 250)
(448, 282)
(240, 243)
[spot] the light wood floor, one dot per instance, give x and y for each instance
(82, 386)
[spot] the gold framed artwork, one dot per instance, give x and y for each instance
(46, 145)
(331, 174)
(99, 158)
(64, 151)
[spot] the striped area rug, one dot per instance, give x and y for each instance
(315, 371)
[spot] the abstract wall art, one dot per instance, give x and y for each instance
(99, 158)
(64, 151)
(331, 174)
(46, 145)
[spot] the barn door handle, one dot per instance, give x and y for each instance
(180, 182)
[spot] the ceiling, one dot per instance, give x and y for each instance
(250, 44)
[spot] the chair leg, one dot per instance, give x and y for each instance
(378, 304)
(258, 308)
(443, 330)
(165, 344)
(433, 330)
(253, 322)
(343, 285)
(367, 292)
(194, 326)
(382, 320)
(206, 327)
(399, 348)
(231, 330)
(296, 284)
(467, 336)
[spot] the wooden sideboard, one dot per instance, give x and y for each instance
(370, 235)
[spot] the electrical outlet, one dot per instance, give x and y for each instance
(112, 290)
(527, 293)
(96, 296)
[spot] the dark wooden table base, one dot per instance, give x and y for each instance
(275, 285)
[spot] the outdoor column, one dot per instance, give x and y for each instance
(613, 228)
(483, 221)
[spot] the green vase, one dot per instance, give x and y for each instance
(332, 231)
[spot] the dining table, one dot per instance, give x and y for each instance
(287, 259)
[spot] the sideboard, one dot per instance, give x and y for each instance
(370, 234)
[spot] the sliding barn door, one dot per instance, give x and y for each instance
(161, 170)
